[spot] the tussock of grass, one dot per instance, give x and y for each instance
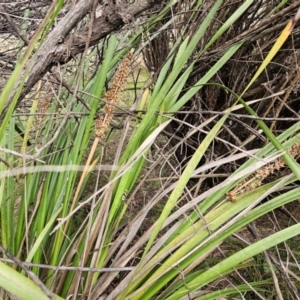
(145, 212)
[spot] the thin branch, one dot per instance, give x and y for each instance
(13, 25)
(64, 268)
(30, 274)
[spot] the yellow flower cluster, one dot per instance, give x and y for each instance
(44, 104)
(255, 179)
(112, 95)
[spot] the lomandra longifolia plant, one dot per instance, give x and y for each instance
(75, 227)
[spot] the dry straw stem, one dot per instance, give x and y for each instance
(112, 96)
(256, 179)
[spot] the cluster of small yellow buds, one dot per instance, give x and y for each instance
(44, 100)
(43, 105)
(255, 180)
(112, 95)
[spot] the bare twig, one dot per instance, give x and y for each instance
(30, 274)
(65, 268)
(13, 25)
